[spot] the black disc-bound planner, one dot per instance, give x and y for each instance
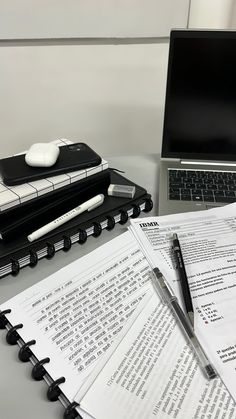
(18, 252)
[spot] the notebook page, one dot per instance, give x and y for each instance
(76, 313)
(153, 374)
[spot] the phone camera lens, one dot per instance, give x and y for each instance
(74, 147)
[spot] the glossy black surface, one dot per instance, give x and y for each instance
(200, 111)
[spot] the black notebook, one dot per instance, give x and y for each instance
(29, 216)
(19, 252)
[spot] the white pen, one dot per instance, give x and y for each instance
(164, 290)
(86, 206)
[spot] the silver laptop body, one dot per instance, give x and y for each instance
(199, 132)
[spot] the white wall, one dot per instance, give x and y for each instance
(106, 92)
(90, 18)
(111, 96)
(211, 14)
(107, 89)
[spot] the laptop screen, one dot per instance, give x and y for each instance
(200, 108)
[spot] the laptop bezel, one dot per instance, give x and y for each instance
(166, 153)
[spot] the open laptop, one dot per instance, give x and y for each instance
(198, 158)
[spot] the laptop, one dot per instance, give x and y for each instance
(198, 157)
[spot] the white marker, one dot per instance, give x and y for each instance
(86, 206)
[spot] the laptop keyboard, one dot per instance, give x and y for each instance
(201, 185)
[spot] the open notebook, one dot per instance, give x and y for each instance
(106, 345)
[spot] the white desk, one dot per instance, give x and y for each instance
(20, 396)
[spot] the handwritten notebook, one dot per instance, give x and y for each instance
(106, 345)
(19, 252)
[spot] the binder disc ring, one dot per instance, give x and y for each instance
(82, 236)
(12, 335)
(3, 319)
(53, 390)
(50, 250)
(123, 217)
(38, 370)
(33, 258)
(148, 205)
(110, 223)
(15, 267)
(67, 243)
(25, 352)
(71, 412)
(97, 229)
(136, 211)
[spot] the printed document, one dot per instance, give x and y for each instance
(208, 242)
(75, 314)
(152, 373)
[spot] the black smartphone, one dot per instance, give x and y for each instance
(77, 156)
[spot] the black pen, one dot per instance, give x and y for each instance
(183, 279)
(164, 290)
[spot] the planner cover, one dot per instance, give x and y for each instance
(31, 215)
(19, 252)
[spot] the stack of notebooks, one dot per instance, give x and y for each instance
(25, 208)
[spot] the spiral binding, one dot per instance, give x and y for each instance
(80, 236)
(25, 352)
(148, 205)
(12, 335)
(15, 266)
(136, 211)
(3, 319)
(53, 390)
(38, 371)
(50, 250)
(67, 243)
(70, 412)
(124, 216)
(33, 258)
(110, 222)
(97, 229)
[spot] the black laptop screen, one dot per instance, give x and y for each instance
(200, 108)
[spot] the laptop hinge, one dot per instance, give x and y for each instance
(169, 159)
(207, 163)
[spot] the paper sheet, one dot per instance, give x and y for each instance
(153, 374)
(76, 313)
(208, 242)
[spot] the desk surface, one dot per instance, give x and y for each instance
(20, 396)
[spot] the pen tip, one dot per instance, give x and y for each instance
(175, 236)
(210, 372)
